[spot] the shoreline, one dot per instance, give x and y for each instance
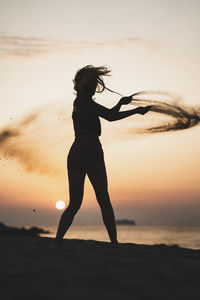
(184, 236)
(82, 269)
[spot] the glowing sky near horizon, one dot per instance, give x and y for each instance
(148, 45)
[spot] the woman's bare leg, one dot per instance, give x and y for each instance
(76, 188)
(98, 178)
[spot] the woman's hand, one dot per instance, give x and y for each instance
(125, 100)
(143, 109)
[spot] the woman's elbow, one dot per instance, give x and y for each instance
(111, 118)
(108, 117)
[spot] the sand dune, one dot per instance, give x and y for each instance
(39, 268)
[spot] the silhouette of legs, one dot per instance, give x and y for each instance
(98, 179)
(76, 187)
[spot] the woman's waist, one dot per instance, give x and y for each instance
(86, 142)
(87, 137)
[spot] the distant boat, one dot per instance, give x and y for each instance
(125, 222)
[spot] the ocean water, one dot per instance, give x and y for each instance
(187, 237)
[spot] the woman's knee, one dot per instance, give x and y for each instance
(73, 208)
(101, 191)
(104, 200)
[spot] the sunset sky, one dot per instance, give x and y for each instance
(149, 45)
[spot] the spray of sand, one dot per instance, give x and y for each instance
(182, 116)
(31, 140)
(23, 142)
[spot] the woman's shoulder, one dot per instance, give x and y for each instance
(84, 108)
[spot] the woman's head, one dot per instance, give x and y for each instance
(88, 80)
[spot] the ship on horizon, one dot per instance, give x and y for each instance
(125, 222)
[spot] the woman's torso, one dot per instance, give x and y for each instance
(85, 119)
(86, 149)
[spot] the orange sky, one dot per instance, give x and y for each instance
(148, 175)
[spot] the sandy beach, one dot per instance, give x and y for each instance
(39, 268)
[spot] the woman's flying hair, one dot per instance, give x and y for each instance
(90, 76)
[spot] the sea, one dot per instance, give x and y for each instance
(183, 236)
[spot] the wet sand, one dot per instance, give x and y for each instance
(39, 268)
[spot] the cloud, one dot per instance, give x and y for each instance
(31, 46)
(25, 46)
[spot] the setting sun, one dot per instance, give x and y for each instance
(60, 204)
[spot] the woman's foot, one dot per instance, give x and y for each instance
(115, 242)
(58, 240)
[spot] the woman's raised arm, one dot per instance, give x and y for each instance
(122, 101)
(114, 115)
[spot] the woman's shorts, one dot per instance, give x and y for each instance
(85, 153)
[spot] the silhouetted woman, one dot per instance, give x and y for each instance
(86, 154)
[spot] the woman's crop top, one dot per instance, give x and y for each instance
(85, 118)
